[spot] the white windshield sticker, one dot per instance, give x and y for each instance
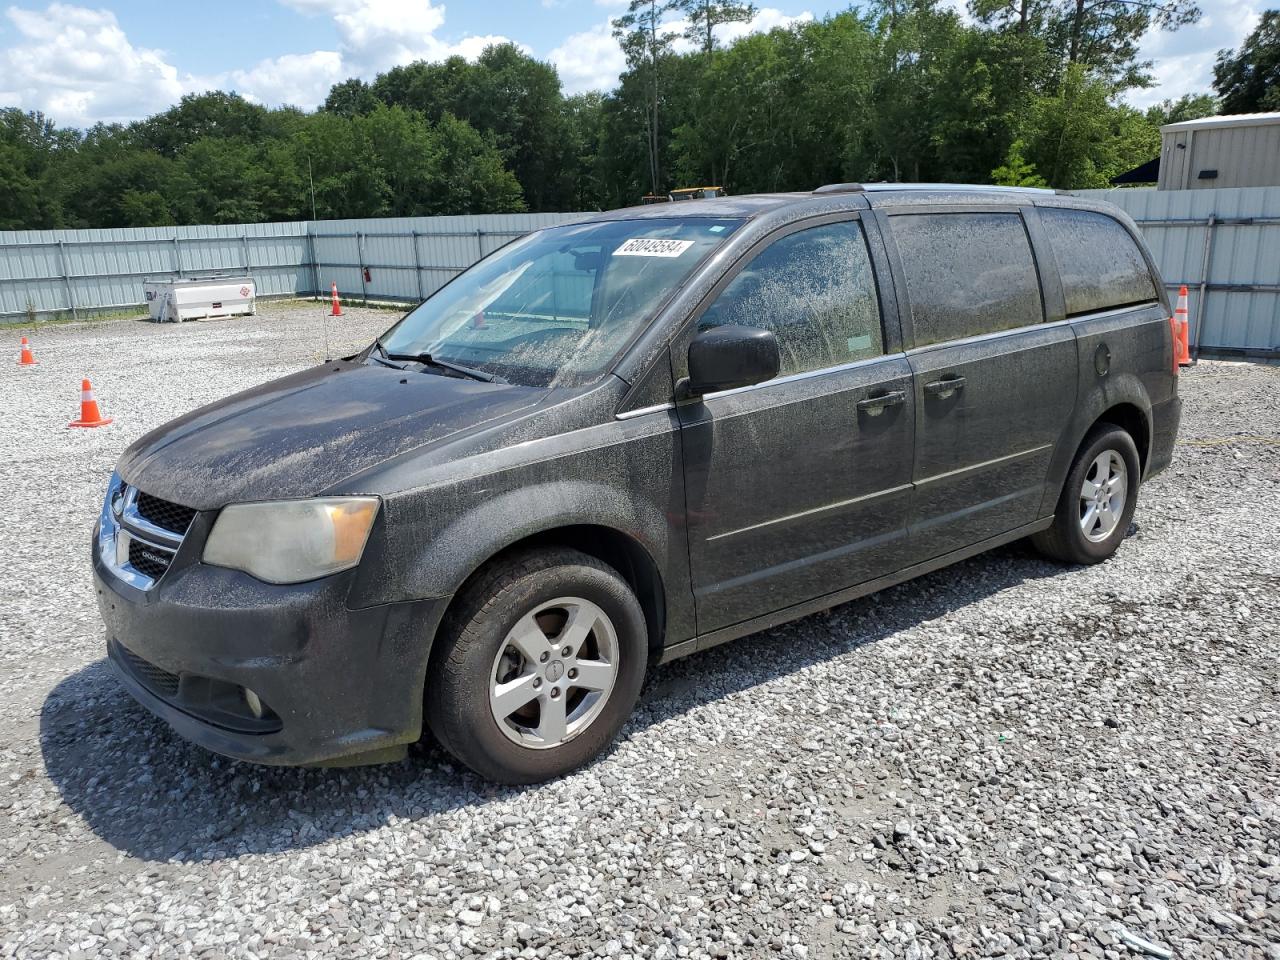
(652, 247)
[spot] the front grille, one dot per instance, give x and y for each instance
(157, 680)
(147, 560)
(168, 516)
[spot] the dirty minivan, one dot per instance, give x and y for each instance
(626, 439)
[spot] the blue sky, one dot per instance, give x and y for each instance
(118, 60)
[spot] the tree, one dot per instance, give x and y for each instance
(1078, 139)
(1016, 171)
(1104, 34)
(1024, 91)
(213, 114)
(1189, 106)
(506, 93)
(583, 179)
(917, 40)
(645, 39)
(469, 176)
(1023, 16)
(19, 192)
(704, 16)
(350, 98)
(1248, 79)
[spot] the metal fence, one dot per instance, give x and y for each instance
(78, 273)
(1224, 245)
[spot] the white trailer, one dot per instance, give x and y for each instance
(198, 298)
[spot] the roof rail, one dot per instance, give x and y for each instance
(878, 187)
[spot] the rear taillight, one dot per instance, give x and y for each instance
(1173, 344)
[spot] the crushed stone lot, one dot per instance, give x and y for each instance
(1005, 758)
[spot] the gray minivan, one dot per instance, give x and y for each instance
(627, 439)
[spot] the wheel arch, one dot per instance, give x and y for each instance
(1122, 401)
(610, 546)
(1130, 418)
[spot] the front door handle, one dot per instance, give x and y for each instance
(874, 406)
(945, 387)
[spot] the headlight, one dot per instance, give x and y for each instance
(289, 541)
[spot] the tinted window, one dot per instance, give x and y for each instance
(815, 290)
(1101, 266)
(967, 274)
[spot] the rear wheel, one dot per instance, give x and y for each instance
(539, 666)
(1098, 499)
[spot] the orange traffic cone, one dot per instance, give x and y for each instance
(25, 359)
(337, 304)
(90, 415)
(1182, 330)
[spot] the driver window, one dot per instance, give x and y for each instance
(815, 290)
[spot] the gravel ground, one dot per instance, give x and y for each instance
(1006, 758)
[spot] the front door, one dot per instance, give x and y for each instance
(993, 383)
(801, 486)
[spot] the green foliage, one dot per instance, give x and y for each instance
(1077, 139)
(1017, 171)
(1248, 79)
(1023, 92)
(507, 95)
(1189, 106)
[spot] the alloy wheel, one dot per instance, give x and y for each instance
(553, 673)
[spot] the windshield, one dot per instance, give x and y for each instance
(556, 308)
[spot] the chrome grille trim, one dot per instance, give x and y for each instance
(143, 528)
(117, 535)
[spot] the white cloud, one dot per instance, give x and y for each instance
(591, 60)
(1182, 61)
(300, 79)
(78, 66)
(765, 20)
(375, 35)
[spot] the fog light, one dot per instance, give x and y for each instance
(254, 704)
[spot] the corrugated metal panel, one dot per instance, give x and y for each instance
(1242, 156)
(1237, 301)
(56, 271)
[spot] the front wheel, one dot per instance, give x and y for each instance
(539, 666)
(1098, 499)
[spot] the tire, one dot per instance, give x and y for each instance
(494, 642)
(1067, 539)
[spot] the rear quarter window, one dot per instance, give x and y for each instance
(1101, 265)
(967, 274)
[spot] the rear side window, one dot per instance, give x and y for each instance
(815, 290)
(1101, 266)
(967, 274)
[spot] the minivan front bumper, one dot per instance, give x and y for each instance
(332, 684)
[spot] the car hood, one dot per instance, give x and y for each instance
(301, 435)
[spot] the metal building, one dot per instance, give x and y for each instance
(1240, 150)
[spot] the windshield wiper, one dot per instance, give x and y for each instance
(385, 359)
(427, 360)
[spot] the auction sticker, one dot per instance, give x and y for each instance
(652, 247)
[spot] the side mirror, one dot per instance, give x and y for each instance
(726, 357)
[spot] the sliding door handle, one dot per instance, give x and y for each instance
(874, 406)
(945, 387)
